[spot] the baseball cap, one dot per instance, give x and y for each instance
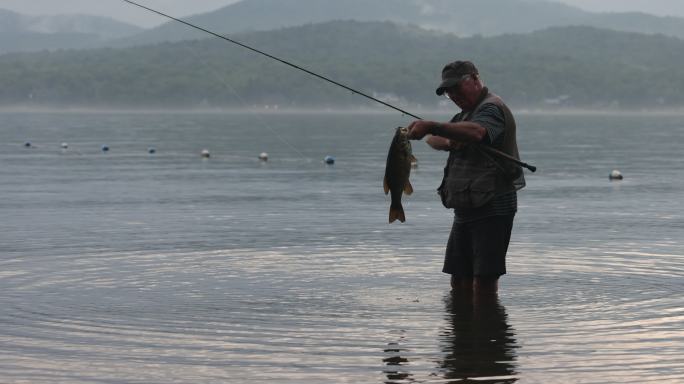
(453, 73)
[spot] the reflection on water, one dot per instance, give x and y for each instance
(396, 365)
(478, 342)
(477, 345)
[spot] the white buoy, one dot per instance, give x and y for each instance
(205, 153)
(615, 175)
(263, 156)
(65, 145)
(329, 160)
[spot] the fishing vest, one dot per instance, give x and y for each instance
(472, 177)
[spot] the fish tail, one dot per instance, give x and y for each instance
(396, 213)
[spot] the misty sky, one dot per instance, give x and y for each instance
(126, 12)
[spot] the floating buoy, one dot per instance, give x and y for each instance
(27, 144)
(105, 148)
(151, 150)
(65, 145)
(615, 175)
(205, 153)
(329, 160)
(263, 156)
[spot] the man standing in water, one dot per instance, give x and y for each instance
(480, 186)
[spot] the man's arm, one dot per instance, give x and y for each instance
(462, 131)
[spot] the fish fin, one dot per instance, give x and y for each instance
(385, 185)
(396, 213)
(408, 188)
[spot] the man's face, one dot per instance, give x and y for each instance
(465, 93)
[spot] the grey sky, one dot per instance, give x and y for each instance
(116, 9)
(126, 12)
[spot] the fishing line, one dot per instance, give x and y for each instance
(354, 91)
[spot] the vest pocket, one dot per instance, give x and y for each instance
(465, 193)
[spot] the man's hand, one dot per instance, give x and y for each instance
(443, 144)
(419, 128)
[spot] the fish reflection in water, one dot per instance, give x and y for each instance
(478, 343)
(395, 369)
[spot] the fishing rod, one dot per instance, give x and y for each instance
(354, 91)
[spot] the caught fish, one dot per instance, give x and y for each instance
(397, 173)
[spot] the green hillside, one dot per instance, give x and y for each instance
(571, 66)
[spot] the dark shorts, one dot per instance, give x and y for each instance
(478, 248)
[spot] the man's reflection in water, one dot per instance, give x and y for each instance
(478, 342)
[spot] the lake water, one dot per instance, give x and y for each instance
(129, 267)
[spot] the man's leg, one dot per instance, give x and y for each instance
(461, 284)
(485, 285)
(491, 237)
(457, 259)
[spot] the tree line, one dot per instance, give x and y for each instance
(563, 66)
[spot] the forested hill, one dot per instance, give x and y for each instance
(570, 66)
(461, 17)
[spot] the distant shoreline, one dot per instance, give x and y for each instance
(533, 111)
